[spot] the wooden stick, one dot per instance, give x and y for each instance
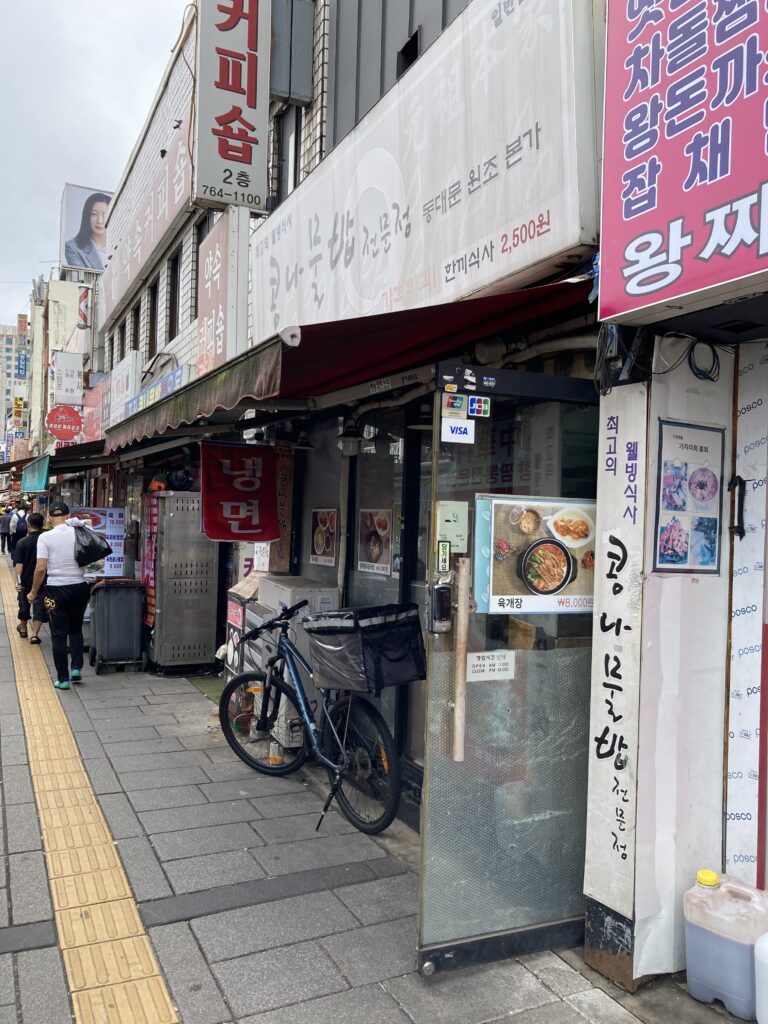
(460, 664)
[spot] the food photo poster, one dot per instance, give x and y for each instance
(689, 498)
(542, 556)
(374, 541)
(324, 537)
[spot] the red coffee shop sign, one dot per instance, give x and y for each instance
(64, 422)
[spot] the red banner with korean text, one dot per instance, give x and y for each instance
(239, 485)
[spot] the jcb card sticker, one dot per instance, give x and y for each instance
(455, 407)
(479, 405)
(457, 431)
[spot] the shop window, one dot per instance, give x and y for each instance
(152, 325)
(174, 294)
(135, 326)
(121, 341)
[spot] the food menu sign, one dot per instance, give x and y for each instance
(689, 498)
(324, 536)
(111, 523)
(541, 555)
(613, 734)
(374, 541)
(685, 187)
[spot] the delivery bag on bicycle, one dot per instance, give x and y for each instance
(366, 649)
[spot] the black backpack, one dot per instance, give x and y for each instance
(21, 526)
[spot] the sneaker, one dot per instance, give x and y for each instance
(76, 675)
(61, 684)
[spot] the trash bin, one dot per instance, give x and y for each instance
(117, 628)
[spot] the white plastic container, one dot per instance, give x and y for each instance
(761, 979)
(724, 918)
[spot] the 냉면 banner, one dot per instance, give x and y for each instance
(239, 490)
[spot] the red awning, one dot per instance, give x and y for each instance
(332, 356)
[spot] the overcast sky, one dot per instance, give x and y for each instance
(76, 82)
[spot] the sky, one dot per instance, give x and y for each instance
(76, 84)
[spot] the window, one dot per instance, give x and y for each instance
(174, 294)
(111, 352)
(121, 341)
(135, 326)
(408, 54)
(152, 325)
(288, 150)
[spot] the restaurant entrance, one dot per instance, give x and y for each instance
(511, 577)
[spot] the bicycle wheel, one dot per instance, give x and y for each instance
(262, 723)
(369, 794)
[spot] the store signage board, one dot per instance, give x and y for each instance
(34, 476)
(212, 302)
(685, 195)
(616, 649)
(323, 536)
(158, 390)
(124, 383)
(471, 188)
(111, 523)
(64, 422)
(231, 131)
(67, 378)
(239, 492)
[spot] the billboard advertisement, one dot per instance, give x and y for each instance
(685, 187)
(84, 227)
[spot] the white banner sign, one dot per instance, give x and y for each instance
(477, 167)
(124, 385)
(67, 378)
(609, 874)
(232, 103)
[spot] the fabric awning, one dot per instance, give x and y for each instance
(327, 357)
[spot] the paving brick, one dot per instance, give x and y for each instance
(8, 1015)
(306, 801)
(17, 784)
(23, 828)
(41, 986)
(194, 874)
(30, 899)
(121, 819)
(202, 741)
(93, 702)
(316, 853)
(5, 916)
(382, 900)
(371, 954)
(168, 796)
(371, 1004)
(170, 687)
(177, 759)
(111, 735)
(10, 725)
(89, 744)
(3, 863)
(13, 750)
(279, 923)
(599, 1008)
(266, 981)
(145, 874)
(188, 698)
(177, 818)
(168, 777)
(214, 839)
(228, 772)
(250, 786)
(103, 779)
(193, 728)
(6, 979)
(302, 826)
(555, 973)
(475, 995)
(193, 987)
(132, 748)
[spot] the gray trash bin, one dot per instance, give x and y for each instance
(117, 628)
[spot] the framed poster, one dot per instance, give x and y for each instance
(374, 543)
(323, 541)
(689, 498)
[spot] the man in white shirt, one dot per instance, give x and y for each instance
(66, 593)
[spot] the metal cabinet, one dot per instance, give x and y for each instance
(186, 582)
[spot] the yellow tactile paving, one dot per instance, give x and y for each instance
(112, 972)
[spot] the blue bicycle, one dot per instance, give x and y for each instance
(270, 724)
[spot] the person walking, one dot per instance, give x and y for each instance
(18, 527)
(24, 562)
(66, 593)
(5, 530)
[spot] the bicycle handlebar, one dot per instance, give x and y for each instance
(279, 620)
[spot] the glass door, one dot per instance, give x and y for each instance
(507, 715)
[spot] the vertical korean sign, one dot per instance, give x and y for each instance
(232, 103)
(613, 733)
(239, 490)
(685, 177)
(212, 303)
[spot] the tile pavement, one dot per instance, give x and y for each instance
(255, 918)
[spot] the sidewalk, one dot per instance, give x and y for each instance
(253, 917)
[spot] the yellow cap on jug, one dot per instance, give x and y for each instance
(707, 877)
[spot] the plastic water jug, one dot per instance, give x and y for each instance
(724, 918)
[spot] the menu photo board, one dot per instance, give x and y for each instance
(689, 498)
(324, 536)
(374, 541)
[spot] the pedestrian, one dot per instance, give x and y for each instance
(66, 593)
(18, 527)
(5, 530)
(24, 562)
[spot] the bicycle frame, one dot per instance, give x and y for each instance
(287, 651)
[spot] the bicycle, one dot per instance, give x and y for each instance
(270, 725)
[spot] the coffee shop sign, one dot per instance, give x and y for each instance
(159, 389)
